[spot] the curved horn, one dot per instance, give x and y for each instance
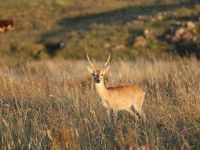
(90, 62)
(107, 61)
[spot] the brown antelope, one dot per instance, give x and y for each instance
(124, 97)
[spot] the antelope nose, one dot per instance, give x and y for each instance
(97, 80)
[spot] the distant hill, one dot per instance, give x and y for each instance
(128, 29)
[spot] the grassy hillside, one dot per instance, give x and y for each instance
(51, 105)
(127, 29)
(47, 102)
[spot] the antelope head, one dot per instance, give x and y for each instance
(98, 74)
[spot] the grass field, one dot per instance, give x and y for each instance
(98, 27)
(47, 100)
(50, 105)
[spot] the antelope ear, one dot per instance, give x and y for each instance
(107, 68)
(90, 70)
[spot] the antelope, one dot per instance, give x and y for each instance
(123, 97)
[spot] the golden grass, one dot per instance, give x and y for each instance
(50, 105)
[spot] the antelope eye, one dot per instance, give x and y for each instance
(102, 74)
(93, 74)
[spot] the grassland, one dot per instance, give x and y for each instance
(98, 27)
(50, 105)
(46, 97)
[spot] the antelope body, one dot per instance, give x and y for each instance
(124, 97)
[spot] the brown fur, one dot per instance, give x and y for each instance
(122, 97)
(6, 25)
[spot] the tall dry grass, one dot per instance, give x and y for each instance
(50, 105)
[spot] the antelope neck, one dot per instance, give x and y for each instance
(101, 89)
